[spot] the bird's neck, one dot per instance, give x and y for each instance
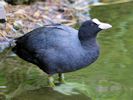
(89, 42)
(91, 49)
(91, 52)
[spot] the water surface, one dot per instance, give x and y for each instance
(109, 78)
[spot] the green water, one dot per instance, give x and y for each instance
(109, 78)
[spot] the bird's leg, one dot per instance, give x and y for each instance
(51, 81)
(61, 78)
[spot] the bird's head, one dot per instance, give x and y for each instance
(90, 28)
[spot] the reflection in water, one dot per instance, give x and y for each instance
(68, 91)
(110, 78)
(71, 88)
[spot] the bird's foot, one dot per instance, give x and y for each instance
(61, 78)
(51, 81)
(51, 84)
(61, 81)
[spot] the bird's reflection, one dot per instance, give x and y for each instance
(67, 91)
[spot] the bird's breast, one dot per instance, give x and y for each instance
(69, 60)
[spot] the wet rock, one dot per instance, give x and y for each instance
(4, 45)
(18, 24)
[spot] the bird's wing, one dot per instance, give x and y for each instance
(39, 37)
(63, 28)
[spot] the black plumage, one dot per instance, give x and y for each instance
(59, 48)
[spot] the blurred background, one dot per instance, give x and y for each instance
(109, 78)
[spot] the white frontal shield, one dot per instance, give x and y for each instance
(101, 25)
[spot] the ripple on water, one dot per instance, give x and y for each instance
(71, 88)
(109, 88)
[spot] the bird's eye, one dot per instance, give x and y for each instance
(92, 24)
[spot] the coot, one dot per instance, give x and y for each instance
(59, 49)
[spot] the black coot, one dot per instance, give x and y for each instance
(59, 48)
